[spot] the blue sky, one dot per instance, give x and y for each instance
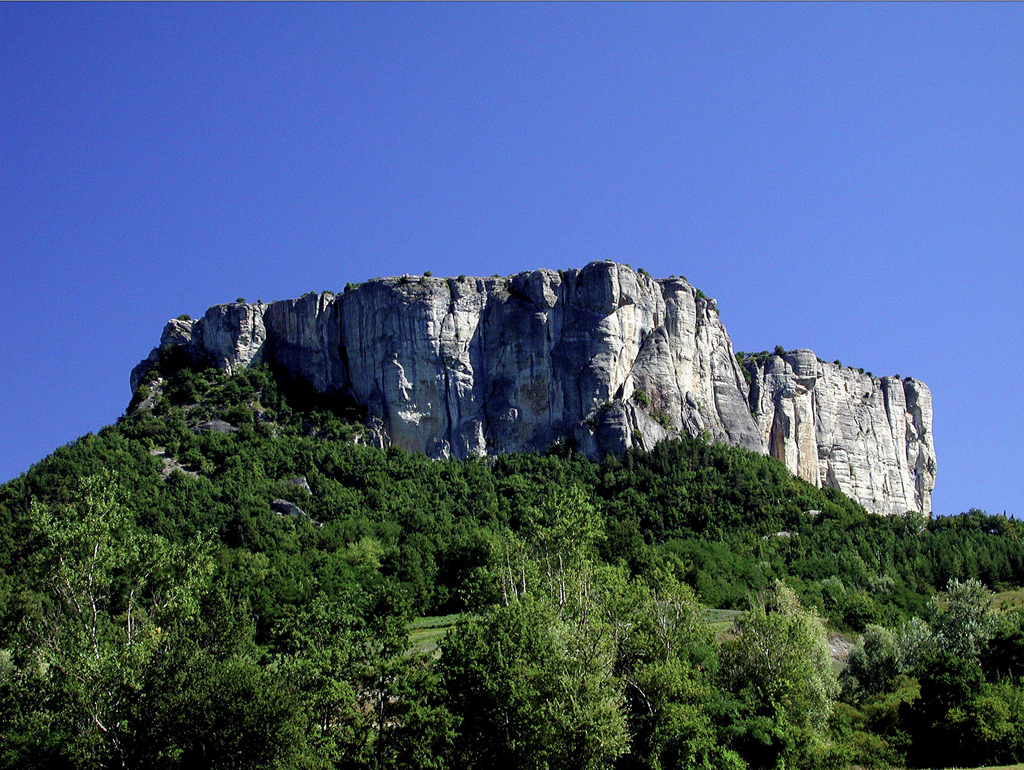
(843, 177)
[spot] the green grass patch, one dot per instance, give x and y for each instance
(434, 621)
(427, 632)
(721, 621)
(721, 618)
(1009, 600)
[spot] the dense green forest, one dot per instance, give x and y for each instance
(226, 577)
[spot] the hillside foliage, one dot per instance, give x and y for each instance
(225, 577)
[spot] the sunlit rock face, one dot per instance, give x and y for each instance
(603, 358)
(869, 437)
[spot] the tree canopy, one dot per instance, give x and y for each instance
(226, 577)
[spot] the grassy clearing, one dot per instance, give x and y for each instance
(721, 621)
(427, 632)
(1009, 600)
(434, 621)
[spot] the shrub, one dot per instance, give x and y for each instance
(239, 414)
(428, 274)
(779, 350)
(240, 300)
(741, 359)
(184, 317)
(642, 398)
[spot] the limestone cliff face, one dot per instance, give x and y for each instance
(832, 426)
(603, 357)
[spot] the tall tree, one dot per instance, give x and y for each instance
(108, 591)
(780, 667)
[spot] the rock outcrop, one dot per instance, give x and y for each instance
(604, 358)
(869, 437)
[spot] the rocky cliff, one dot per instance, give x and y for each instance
(604, 357)
(838, 427)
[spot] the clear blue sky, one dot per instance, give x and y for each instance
(848, 178)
